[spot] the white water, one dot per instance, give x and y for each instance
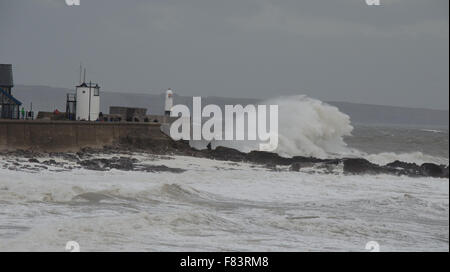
(309, 127)
(306, 127)
(220, 206)
(411, 157)
(225, 206)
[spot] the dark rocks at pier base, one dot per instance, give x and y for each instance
(87, 158)
(257, 157)
(352, 166)
(297, 166)
(125, 164)
(433, 170)
(361, 166)
(121, 163)
(426, 169)
(160, 168)
(356, 166)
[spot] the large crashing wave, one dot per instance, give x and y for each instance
(309, 127)
(306, 127)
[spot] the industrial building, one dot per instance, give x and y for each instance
(9, 106)
(129, 114)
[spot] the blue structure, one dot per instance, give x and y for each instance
(9, 106)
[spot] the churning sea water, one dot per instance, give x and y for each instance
(226, 206)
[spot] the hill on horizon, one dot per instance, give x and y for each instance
(46, 98)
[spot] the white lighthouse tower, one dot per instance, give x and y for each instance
(169, 102)
(87, 102)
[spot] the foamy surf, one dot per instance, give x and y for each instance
(227, 206)
(413, 157)
(220, 206)
(311, 128)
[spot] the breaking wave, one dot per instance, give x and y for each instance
(306, 127)
(412, 157)
(312, 128)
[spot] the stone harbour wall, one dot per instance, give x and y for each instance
(61, 136)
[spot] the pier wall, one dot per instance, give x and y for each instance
(64, 136)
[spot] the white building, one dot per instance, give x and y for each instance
(87, 102)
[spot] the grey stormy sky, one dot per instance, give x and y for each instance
(335, 50)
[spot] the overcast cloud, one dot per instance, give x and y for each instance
(335, 50)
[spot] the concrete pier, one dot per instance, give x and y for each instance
(62, 136)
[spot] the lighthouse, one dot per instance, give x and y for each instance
(169, 102)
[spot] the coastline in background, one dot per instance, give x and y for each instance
(46, 98)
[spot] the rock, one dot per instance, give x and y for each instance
(272, 167)
(50, 162)
(404, 168)
(125, 164)
(361, 166)
(225, 154)
(122, 163)
(445, 172)
(162, 168)
(432, 170)
(85, 158)
(94, 164)
(329, 167)
(264, 157)
(404, 165)
(70, 157)
(296, 166)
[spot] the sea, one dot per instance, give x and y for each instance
(229, 206)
